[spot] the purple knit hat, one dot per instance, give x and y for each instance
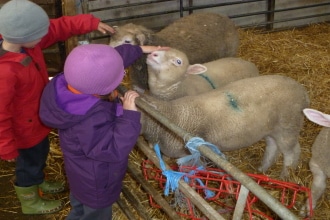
(94, 69)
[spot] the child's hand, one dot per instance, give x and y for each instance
(104, 28)
(129, 100)
(150, 49)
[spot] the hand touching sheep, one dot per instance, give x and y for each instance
(128, 100)
(104, 28)
(150, 49)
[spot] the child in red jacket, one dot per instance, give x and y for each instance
(25, 30)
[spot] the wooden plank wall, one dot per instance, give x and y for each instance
(54, 55)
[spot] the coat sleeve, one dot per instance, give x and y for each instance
(8, 81)
(60, 29)
(129, 53)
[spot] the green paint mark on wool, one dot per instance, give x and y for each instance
(208, 80)
(233, 102)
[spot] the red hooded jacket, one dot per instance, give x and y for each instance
(23, 77)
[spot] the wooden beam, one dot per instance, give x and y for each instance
(69, 8)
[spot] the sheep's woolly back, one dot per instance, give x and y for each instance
(203, 36)
(321, 150)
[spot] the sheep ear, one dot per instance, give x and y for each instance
(196, 69)
(317, 117)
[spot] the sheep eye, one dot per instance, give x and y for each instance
(178, 62)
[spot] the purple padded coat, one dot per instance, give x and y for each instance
(94, 141)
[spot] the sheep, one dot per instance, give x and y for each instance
(235, 116)
(170, 76)
(319, 164)
(202, 36)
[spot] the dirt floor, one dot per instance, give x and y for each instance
(302, 54)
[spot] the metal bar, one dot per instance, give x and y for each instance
(129, 5)
(249, 14)
(181, 8)
(300, 7)
(274, 11)
(191, 3)
(285, 20)
(302, 17)
(250, 1)
(220, 4)
(140, 16)
(270, 16)
(125, 209)
(240, 204)
(135, 203)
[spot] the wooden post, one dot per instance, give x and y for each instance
(2, 2)
(69, 8)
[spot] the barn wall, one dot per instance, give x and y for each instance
(156, 14)
(302, 12)
(54, 55)
(267, 14)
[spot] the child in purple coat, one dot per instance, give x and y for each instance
(96, 134)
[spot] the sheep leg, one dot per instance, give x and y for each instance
(288, 145)
(290, 158)
(318, 184)
(270, 154)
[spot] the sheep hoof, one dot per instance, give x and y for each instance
(262, 169)
(284, 174)
(303, 212)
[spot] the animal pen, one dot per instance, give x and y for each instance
(291, 38)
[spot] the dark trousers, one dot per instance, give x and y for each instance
(80, 211)
(31, 163)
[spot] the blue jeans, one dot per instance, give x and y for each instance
(80, 211)
(30, 164)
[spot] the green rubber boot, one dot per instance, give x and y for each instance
(51, 187)
(32, 203)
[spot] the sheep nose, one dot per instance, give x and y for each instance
(154, 54)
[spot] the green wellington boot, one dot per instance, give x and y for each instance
(51, 187)
(32, 203)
